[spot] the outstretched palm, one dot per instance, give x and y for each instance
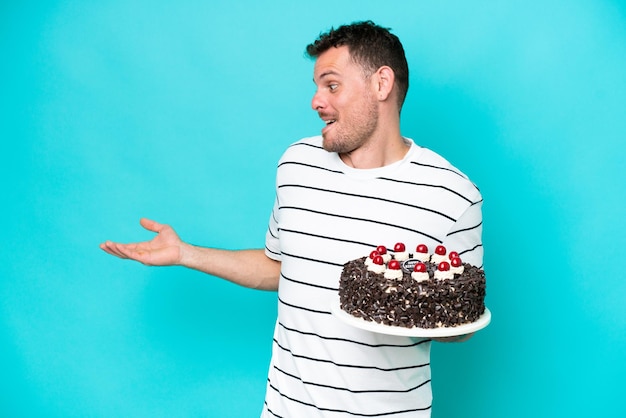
(163, 250)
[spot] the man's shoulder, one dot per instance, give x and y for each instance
(429, 158)
(440, 168)
(303, 147)
(310, 141)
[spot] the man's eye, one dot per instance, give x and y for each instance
(332, 87)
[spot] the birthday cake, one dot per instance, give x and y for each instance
(417, 289)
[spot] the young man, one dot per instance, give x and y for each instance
(358, 185)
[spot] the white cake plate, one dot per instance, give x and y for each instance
(372, 326)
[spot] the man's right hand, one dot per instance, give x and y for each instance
(249, 268)
(163, 250)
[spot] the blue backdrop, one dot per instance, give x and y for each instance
(179, 111)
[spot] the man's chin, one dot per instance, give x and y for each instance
(329, 145)
(326, 143)
(339, 147)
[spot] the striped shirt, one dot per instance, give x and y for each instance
(326, 214)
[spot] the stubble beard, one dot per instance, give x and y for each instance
(353, 131)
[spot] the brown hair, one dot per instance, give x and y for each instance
(370, 46)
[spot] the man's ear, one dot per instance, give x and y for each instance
(385, 80)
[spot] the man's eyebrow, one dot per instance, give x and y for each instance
(326, 74)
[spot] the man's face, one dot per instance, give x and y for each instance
(344, 100)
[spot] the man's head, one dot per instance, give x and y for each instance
(371, 47)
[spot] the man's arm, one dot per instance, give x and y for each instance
(469, 243)
(249, 268)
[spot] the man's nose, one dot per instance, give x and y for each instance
(318, 102)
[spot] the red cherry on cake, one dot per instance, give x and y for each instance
(374, 254)
(440, 250)
(399, 247)
(422, 249)
(378, 260)
(443, 266)
(420, 268)
(456, 262)
(394, 265)
(381, 249)
(453, 254)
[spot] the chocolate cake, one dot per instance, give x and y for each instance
(413, 290)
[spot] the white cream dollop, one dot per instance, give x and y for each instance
(401, 256)
(457, 270)
(442, 275)
(393, 274)
(436, 258)
(376, 268)
(423, 257)
(420, 276)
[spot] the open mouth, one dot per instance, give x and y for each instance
(328, 124)
(328, 120)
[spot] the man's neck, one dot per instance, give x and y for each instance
(376, 154)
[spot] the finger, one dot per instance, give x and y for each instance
(125, 250)
(111, 248)
(104, 247)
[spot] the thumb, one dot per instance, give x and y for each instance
(151, 225)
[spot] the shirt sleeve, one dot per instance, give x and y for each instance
(465, 236)
(272, 242)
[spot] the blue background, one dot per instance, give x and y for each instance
(179, 111)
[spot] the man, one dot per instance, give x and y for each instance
(359, 185)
